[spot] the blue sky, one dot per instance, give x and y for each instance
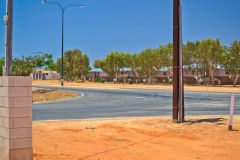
(115, 25)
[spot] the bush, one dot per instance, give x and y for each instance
(99, 80)
(68, 77)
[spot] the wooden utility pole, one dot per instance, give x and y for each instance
(9, 34)
(178, 91)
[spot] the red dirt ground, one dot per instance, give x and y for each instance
(117, 86)
(200, 138)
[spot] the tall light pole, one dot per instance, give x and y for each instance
(178, 90)
(63, 8)
(9, 34)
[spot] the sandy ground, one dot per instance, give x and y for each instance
(43, 95)
(200, 138)
(117, 86)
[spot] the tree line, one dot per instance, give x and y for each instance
(199, 57)
(76, 64)
(24, 66)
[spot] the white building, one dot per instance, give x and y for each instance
(39, 74)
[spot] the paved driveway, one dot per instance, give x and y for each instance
(94, 103)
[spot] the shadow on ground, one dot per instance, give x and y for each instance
(218, 121)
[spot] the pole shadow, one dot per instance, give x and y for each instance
(218, 121)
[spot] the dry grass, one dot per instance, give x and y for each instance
(43, 95)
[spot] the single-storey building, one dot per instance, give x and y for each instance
(165, 76)
(39, 74)
(97, 73)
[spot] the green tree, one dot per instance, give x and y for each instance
(193, 60)
(149, 62)
(59, 65)
(22, 67)
(98, 63)
(211, 50)
(49, 63)
(107, 67)
(104, 66)
(85, 67)
(76, 65)
(39, 61)
(112, 64)
(2, 63)
(25, 65)
(115, 61)
(231, 60)
(80, 64)
(69, 64)
(132, 61)
(164, 56)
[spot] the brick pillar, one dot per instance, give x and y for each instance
(16, 118)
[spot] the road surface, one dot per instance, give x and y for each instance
(96, 103)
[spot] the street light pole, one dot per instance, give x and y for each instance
(178, 91)
(9, 34)
(63, 12)
(62, 79)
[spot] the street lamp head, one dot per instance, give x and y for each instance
(44, 2)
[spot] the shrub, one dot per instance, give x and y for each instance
(99, 80)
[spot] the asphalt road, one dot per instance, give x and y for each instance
(94, 103)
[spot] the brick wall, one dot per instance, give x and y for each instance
(15, 118)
